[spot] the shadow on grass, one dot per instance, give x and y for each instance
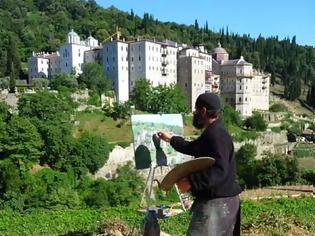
(78, 234)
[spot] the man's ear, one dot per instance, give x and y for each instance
(203, 111)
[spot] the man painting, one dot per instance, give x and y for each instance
(216, 209)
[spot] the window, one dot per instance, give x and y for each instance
(131, 58)
(113, 67)
(122, 48)
(139, 58)
(245, 99)
(122, 58)
(240, 87)
(240, 99)
(113, 58)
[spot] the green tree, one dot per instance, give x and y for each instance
(94, 78)
(50, 189)
(256, 122)
(230, 116)
(45, 106)
(167, 99)
(21, 141)
(64, 81)
(140, 94)
(246, 165)
(40, 83)
(93, 151)
(118, 110)
(12, 81)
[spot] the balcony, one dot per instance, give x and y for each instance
(164, 63)
(164, 72)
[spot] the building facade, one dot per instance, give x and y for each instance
(72, 53)
(195, 74)
(241, 86)
(161, 63)
(116, 66)
(43, 65)
(154, 61)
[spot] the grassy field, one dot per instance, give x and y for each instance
(116, 132)
(287, 216)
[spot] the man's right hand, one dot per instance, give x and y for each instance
(165, 136)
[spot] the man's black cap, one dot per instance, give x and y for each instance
(208, 100)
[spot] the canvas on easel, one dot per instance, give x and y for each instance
(150, 150)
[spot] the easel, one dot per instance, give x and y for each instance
(155, 213)
(149, 186)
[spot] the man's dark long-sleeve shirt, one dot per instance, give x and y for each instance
(218, 180)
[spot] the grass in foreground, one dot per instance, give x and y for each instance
(287, 216)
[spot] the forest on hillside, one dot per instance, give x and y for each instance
(41, 25)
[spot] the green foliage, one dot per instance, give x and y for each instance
(93, 151)
(53, 222)
(256, 122)
(94, 78)
(276, 129)
(246, 165)
(278, 215)
(118, 110)
(40, 84)
(45, 106)
(4, 83)
(120, 191)
(50, 189)
(58, 142)
(94, 99)
(164, 99)
(61, 82)
(4, 111)
(240, 135)
(231, 117)
(21, 141)
(278, 107)
(140, 94)
(278, 170)
(10, 179)
(309, 176)
(265, 216)
(41, 26)
(304, 150)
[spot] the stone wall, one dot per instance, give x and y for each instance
(266, 142)
(269, 142)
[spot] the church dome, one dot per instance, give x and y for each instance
(219, 49)
(72, 33)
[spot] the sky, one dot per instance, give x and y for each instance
(284, 18)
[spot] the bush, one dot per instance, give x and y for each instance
(256, 122)
(231, 117)
(309, 176)
(118, 110)
(278, 107)
(94, 99)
